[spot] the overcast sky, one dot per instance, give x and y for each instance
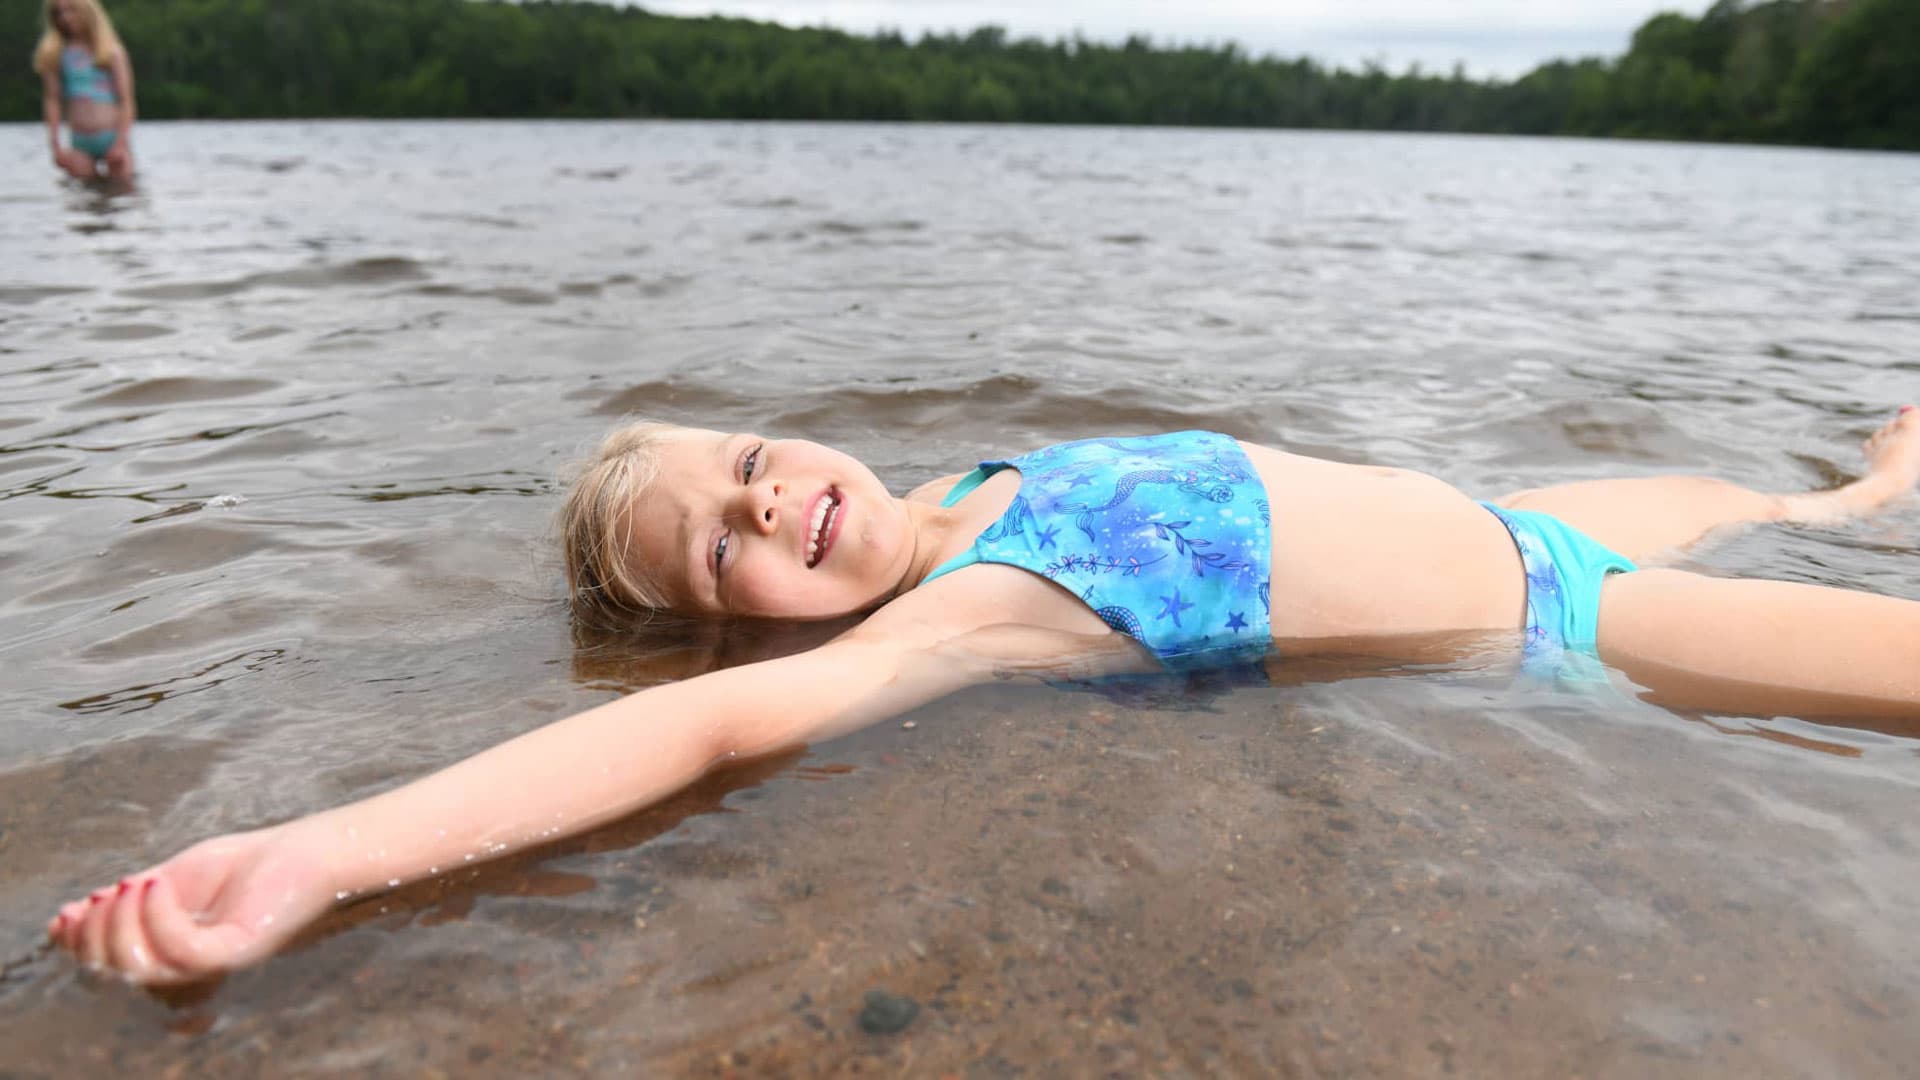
(1501, 38)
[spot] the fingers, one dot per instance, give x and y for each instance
(62, 920)
(116, 929)
(91, 938)
(68, 922)
(128, 950)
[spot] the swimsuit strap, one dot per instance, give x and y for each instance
(960, 490)
(965, 485)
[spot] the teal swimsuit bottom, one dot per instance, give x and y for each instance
(1565, 569)
(93, 143)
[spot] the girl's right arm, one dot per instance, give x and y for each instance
(50, 110)
(232, 901)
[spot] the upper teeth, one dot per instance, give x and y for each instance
(822, 514)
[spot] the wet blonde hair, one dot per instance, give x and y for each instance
(604, 586)
(100, 37)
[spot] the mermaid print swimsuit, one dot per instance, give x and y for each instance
(1167, 538)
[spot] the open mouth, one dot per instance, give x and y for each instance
(825, 524)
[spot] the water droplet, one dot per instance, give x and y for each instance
(393, 882)
(343, 894)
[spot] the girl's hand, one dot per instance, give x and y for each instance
(71, 160)
(221, 904)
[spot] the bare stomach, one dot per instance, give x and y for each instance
(86, 115)
(1361, 552)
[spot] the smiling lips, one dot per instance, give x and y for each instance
(826, 521)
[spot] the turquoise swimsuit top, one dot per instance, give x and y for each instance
(81, 78)
(1167, 538)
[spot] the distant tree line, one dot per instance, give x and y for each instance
(1830, 72)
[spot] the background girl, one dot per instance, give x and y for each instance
(86, 80)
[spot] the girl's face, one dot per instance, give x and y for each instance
(68, 17)
(744, 525)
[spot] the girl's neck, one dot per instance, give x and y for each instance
(941, 532)
(933, 528)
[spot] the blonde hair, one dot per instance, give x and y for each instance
(100, 37)
(604, 587)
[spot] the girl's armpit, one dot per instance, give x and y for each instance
(1010, 620)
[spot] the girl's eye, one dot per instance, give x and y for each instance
(747, 466)
(720, 552)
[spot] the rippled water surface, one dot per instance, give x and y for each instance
(278, 439)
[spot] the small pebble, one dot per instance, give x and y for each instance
(887, 1014)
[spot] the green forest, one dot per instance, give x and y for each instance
(1825, 72)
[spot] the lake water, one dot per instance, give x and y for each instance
(278, 439)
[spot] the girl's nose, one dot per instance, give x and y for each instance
(766, 505)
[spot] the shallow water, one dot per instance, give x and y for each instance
(277, 442)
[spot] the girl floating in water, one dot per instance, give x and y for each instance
(85, 75)
(1084, 559)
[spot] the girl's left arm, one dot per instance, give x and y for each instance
(122, 71)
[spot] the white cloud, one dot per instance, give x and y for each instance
(1492, 37)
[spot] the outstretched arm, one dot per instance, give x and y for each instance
(232, 901)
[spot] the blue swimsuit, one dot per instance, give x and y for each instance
(1166, 537)
(82, 78)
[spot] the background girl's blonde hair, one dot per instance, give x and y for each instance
(604, 586)
(100, 37)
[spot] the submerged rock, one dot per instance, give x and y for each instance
(887, 1014)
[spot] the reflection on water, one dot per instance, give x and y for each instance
(277, 460)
